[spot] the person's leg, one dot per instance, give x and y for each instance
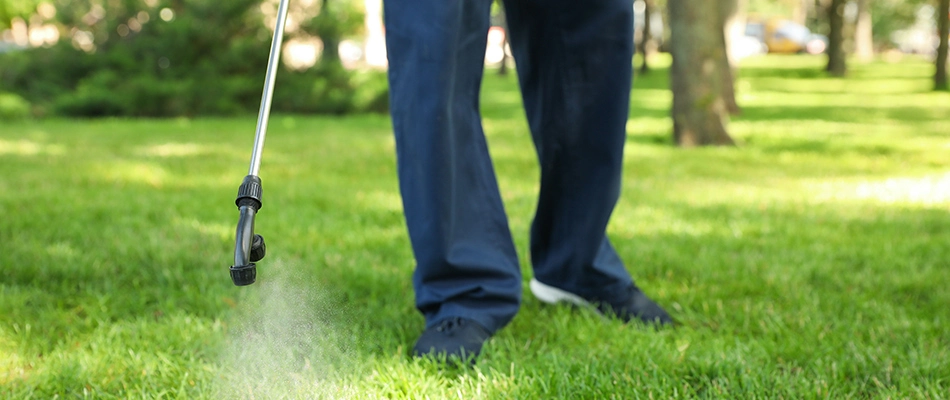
(574, 65)
(466, 264)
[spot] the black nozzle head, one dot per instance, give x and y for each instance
(244, 275)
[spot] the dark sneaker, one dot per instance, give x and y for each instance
(458, 338)
(638, 306)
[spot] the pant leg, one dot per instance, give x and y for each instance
(466, 264)
(574, 66)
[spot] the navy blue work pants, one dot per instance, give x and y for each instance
(573, 60)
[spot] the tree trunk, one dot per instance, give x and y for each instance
(837, 65)
(735, 18)
(330, 37)
(800, 11)
(503, 68)
(943, 27)
(729, 11)
(645, 36)
(863, 32)
(699, 112)
(503, 21)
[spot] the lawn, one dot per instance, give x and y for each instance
(811, 261)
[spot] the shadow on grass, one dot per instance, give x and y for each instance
(783, 73)
(823, 147)
(857, 115)
(651, 139)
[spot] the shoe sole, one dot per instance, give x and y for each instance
(552, 295)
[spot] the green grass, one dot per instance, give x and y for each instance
(810, 262)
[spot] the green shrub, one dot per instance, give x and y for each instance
(13, 107)
(39, 75)
(372, 92)
(209, 60)
(328, 88)
(154, 97)
(95, 96)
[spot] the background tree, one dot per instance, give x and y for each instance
(10, 9)
(889, 16)
(335, 20)
(943, 29)
(837, 64)
(863, 32)
(499, 19)
(646, 36)
(801, 9)
(732, 20)
(163, 58)
(886, 18)
(697, 45)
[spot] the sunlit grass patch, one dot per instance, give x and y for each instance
(25, 147)
(932, 190)
(174, 150)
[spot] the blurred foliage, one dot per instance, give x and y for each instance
(888, 15)
(13, 107)
(10, 9)
(773, 7)
(336, 19)
(120, 57)
(162, 58)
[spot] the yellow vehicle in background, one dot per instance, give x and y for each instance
(787, 37)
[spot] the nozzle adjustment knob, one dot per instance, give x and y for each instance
(258, 249)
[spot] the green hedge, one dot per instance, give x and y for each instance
(13, 107)
(209, 60)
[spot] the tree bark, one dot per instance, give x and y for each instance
(645, 36)
(699, 112)
(800, 11)
(503, 20)
(330, 37)
(503, 68)
(863, 32)
(943, 27)
(729, 11)
(837, 65)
